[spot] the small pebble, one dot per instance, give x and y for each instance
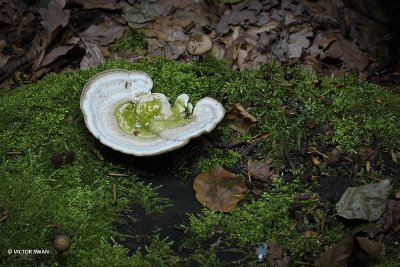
(57, 159)
(325, 128)
(69, 156)
(332, 160)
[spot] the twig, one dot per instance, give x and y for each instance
(114, 191)
(319, 153)
(117, 174)
(323, 222)
(11, 153)
(375, 178)
(52, 225)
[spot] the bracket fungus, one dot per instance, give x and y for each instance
(120, 110)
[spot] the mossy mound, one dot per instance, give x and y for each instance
(42, 118)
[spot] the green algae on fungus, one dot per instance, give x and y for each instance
(149, 114)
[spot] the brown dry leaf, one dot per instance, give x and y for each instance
(3, 58)
(233, 18)
(166, 37)
(168, 29)
(366, 153)
(313, 62)
(265, 28)
(391, 218)
(310, 234)
(275, 257)
(334, 45)
(55, 53)
(92, 4)
(239, 119)
(261, 136)
(4, 215)
(12, 11)
(338, 255)
(102, 34)
(54, 16)
(371, 247)
(219, 190)
(93, 56)
(260, 171)
(299, 41)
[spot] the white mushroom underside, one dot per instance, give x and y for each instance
(107, 91)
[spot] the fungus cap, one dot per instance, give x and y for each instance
(199, 44)
(107, 91)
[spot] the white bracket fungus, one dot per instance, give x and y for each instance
(120, 110)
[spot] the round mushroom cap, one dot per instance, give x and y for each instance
(62, 243)
(199, 44)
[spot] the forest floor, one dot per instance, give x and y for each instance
(306, 120)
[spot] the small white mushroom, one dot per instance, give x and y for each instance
(199, 44)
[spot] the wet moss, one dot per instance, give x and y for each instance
(36, 120)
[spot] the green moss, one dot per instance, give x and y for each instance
(135, 42)
(266, 220)
(216, 157)
(78, 196)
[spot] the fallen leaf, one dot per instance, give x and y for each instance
(261, 136)
(93, 56)
(260, 170)
(102, 34)
(219, 190)
(391, 217)
(91, 4)
(310, 234)
(392, 154)
(4, 215)
(239, 119)
(366, 153)
(334, 45)
(371, 247)
(364, 202)
(338, 255)
(299, 41)
(233, 18)
(54, 16)
(315, 160)
(55, 53)
(275, 257)
(358, 249)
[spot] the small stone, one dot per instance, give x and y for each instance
(69, 156)
(57, 159)
(317, 82)
(310, 123)
(61, 243)
(325, 128)
(267, 76)
(288, 76)
(303, 152)
(326, 100)
(332, 160)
